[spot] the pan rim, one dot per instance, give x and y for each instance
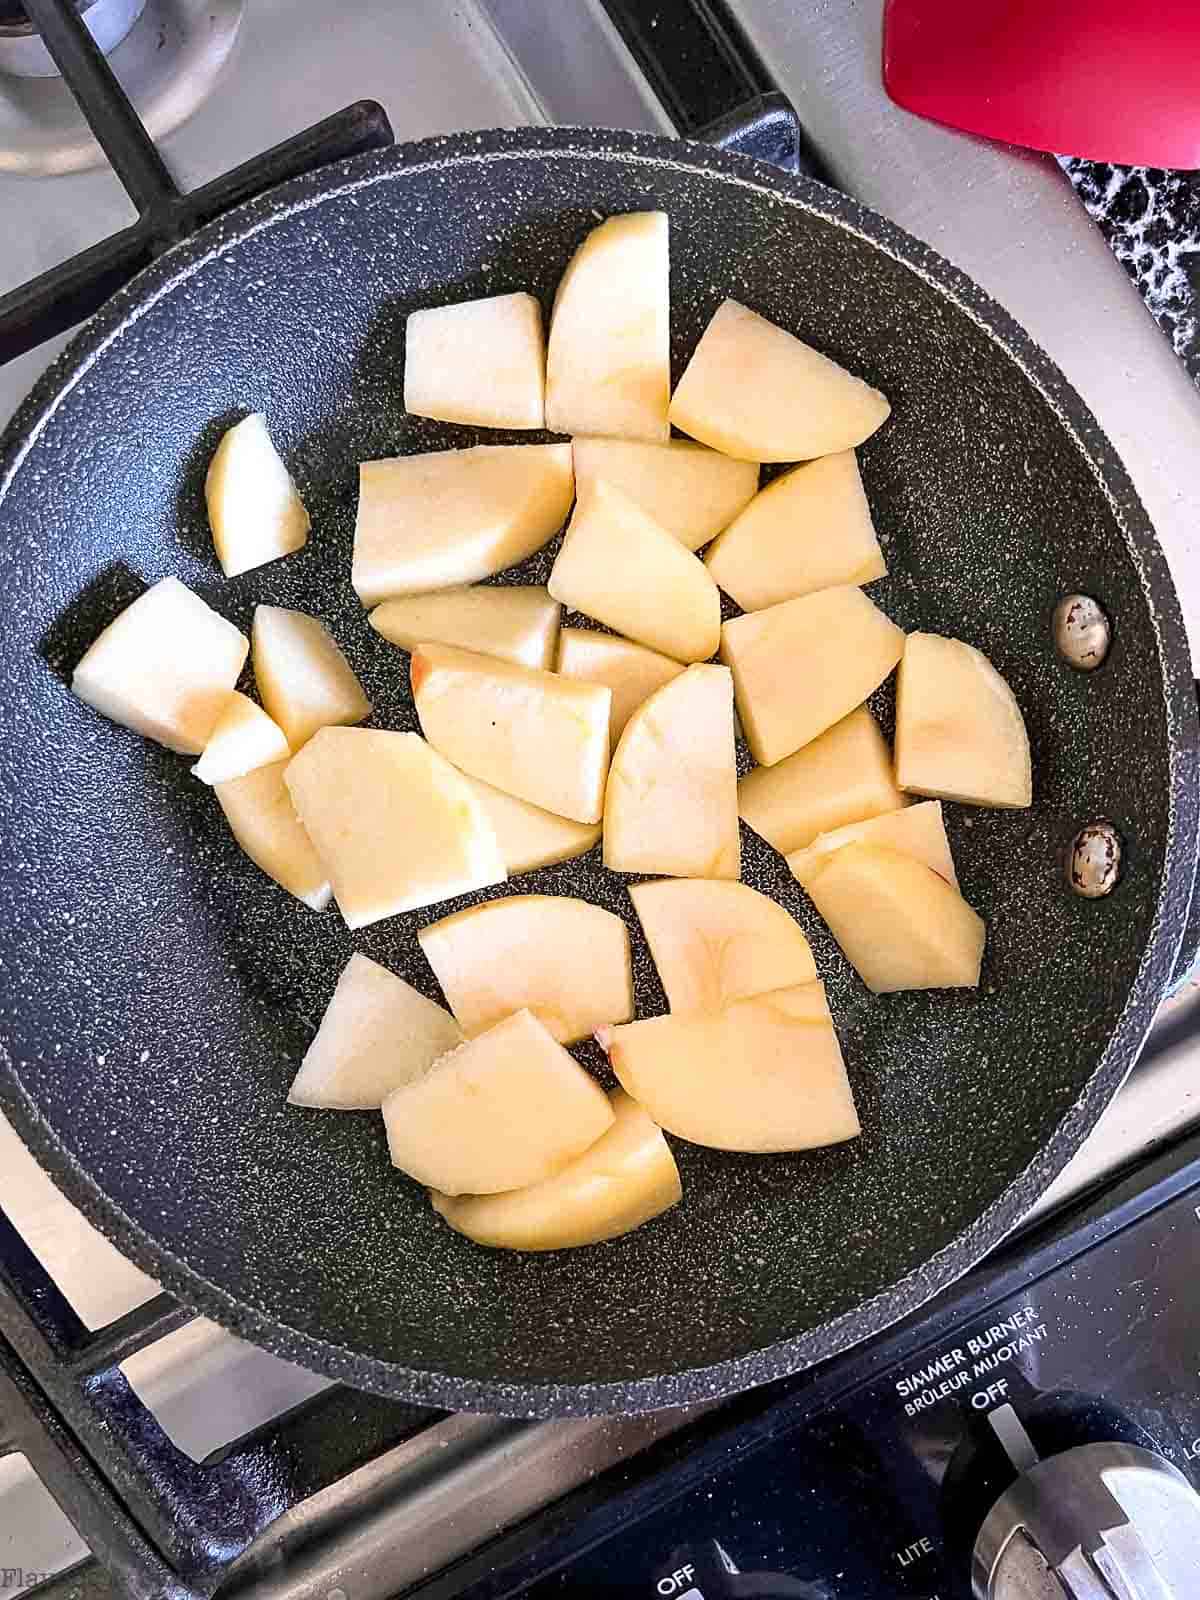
(910, 1291)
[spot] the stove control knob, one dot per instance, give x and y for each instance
(1098, 1522)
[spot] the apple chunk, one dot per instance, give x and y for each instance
(608, 360)
(918, 831)
(481, 362)
(810, 529)
(717, 942)
(756, 392)
(377, 1033)
(263, 820)
(672, 792)
(396, 826)
(617, 565)
(450, 517)
(165, 667)
(764, 1074)
(801, 666)
(844, 775)
(900, 925)
(528, 836)
(254, 509)
(533, 734)
(561, 958)
(630, 670)
(628, 1176)
(960, 734)
(691, 491)
(517, 622)
(305, 681)
(244, 738)
(507, 1109)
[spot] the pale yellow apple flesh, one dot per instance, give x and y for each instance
(254, 509)
(801, 666)
(528, 836)
(810, 529)
(244, 738)
(960, 734)
(844, 775)
(918, 831)
(671, 806)
(481, 362)
(765, 1074)
(395, 825)
(504, 1110)
(377, 1033)
(689, 490)
(608, 358)
(900, 925)
(305, 681)
(630, 670)
(263, 820)
(628, 1176)
(561, 958)
(716, 942)
(617, 565)
(165, 667)
(533, 734)
(449, 517)
(754, 391)
(517, 622)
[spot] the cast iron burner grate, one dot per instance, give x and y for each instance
(159, 1524)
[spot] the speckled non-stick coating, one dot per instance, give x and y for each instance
(158, 991)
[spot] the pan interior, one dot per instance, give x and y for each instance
(158, 991)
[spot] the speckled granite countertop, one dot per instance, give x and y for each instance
(1151, 218)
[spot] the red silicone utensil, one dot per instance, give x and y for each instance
(1107, 79)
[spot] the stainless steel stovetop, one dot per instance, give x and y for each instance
(218, 84)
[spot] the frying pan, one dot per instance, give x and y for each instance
(158, 991)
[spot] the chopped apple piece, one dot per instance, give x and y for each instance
(377, 1033)
(254, 509)
(810, 529)
(244, 738)
(630, 670)
(561, 958)
(608, 361)
(844, 775)
(305, 681)
(900, 925)
(450, 517)
(260, 813)
(165, 667)
(528, 836)
(756, 392)
(764, 1074)
(960, 734)
(517, 622)
(395, 825)
(801, 666)
(672, 792)
(617, 565)
(628, 1176)
(507, 1109)
(691, 491)
(533, 734)
(918, 831)
(481, 362)
(714, 943)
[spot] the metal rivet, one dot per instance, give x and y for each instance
(1082, 632)
(1094, 864)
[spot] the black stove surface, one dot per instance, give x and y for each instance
(869, 1478)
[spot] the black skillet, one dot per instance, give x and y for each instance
(158, 992)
